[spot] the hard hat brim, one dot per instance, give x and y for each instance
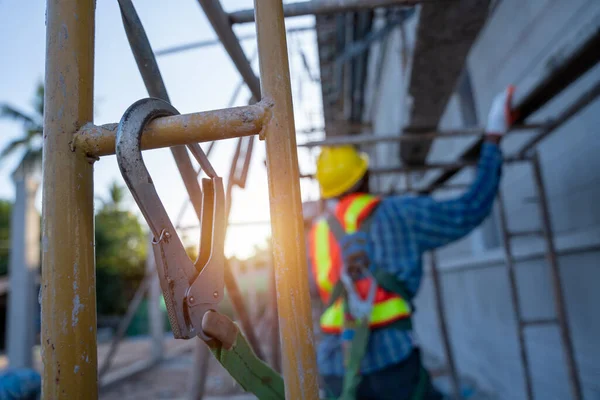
(351, 180)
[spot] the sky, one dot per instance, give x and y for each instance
(197, 80)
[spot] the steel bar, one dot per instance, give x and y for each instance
(220, 23)
(396, 192)
(407, 136)
(288, 243)
(427, 167)
(323, 7)
(583, 101)
(559, 301)
(441, 315)
(185, 203)
(514, 294)
(125, 322)
(68, 294)
(148, 68)
(241, 172)
(213, 42)
(355, 49)
(178, 130)
(524, 233)
(538, 322)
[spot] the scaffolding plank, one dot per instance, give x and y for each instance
(443, 34)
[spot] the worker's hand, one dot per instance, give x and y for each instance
(501, 115)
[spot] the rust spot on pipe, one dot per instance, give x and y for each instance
(95, 141)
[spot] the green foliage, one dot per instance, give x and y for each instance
(5, 215)
(121, 248)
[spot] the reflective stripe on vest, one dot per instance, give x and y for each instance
(326, 264)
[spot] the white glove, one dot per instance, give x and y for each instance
(501, 115)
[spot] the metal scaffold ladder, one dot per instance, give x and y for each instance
(560, 320)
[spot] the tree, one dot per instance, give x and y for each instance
(5, 216)
(33, 124)
(121, 248)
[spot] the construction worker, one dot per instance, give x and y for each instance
(365, 255)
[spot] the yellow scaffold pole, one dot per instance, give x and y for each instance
(68, 337)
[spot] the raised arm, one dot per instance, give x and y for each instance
(436, 223)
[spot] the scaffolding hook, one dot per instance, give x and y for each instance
(190, 289)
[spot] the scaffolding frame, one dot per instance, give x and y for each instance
(69, 352)
(72, 142)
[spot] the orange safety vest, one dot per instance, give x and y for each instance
(326, 263)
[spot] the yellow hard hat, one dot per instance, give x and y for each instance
(339, 168)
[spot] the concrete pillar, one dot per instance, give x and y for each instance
(23, 269)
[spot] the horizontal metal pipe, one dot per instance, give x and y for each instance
(96, 141)
(538, 322)
(321, 7)
(520, 234)
(407, 136)
(426, 167)
(213, 42)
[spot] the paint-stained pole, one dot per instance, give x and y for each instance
(69, 352)
(289, 254)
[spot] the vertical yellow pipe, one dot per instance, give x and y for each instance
(289, 253)
(69, 352)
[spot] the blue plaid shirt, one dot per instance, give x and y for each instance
(403, 228)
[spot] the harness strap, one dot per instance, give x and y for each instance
(336, 228)
(388, 282)
(352, 377)
(248, 370)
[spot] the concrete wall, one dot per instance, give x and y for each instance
(522, 39)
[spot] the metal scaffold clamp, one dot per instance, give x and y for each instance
(190, 289)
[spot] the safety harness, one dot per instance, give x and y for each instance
(358, 336)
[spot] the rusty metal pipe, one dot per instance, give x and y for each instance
(427, 167)
(407, 136)
(97, 141)
(68, 289)
(288, 243)
(323, 7)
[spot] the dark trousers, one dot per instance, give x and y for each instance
(397, 382)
